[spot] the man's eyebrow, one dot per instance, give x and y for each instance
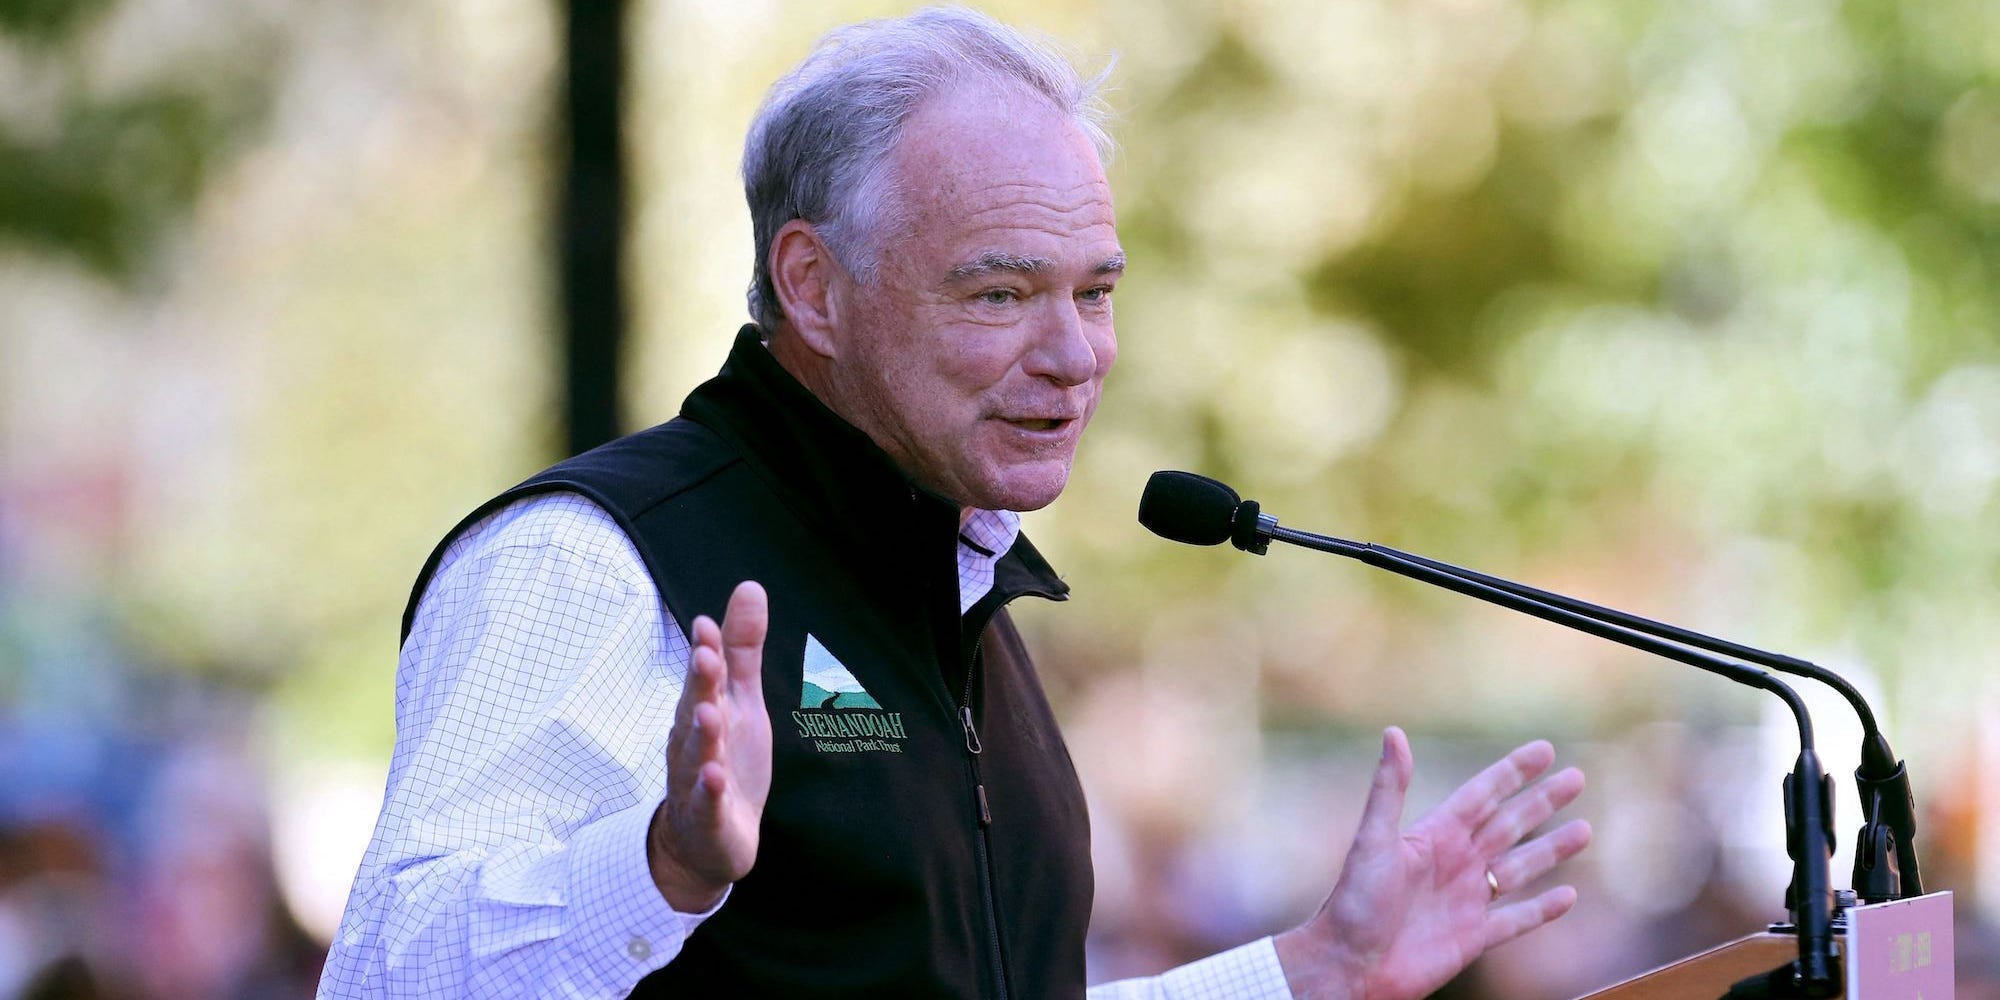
(999, 262)
(996, 262)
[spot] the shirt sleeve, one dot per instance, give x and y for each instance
(534, 696)
(1250, 972)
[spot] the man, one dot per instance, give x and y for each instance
(851, 786)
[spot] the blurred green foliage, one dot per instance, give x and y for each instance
(1686, 306)
(49, 21)
(99, 172)
(1645, 286)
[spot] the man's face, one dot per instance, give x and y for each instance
(975, 353)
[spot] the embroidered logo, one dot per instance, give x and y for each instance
(837, 713)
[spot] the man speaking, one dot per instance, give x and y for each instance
(852, 785)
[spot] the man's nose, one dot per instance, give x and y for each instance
(1063, 351)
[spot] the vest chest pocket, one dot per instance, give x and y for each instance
(878, 829)
(869, 779)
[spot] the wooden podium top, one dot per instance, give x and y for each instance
(1708, 975)
(1891, 951)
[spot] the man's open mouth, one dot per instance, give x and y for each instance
(1039, 423)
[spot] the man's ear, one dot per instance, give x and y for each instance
(806, 274)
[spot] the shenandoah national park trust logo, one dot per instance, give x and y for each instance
(839, 715)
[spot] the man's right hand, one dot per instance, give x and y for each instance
(704, 834)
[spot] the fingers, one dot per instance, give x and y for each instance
(725, 666)
(1530, 861)
(1505, 923)
(708, 677)
(703, 740)
(709, 732)
(1382, 817)
(697, 726)
(704, 675)
(704, 834)
(705, 659)
(725, 660)
(744, 626)
(1528, 810)
(1477, 800)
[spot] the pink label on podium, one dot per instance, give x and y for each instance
(1900, 950)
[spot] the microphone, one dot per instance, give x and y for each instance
(1185, 507)
(1198, 510)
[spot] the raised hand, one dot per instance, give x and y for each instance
(704, 834)
(1414, 907)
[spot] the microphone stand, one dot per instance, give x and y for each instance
(1808, 798)
(1201, 511)
(1885, 855)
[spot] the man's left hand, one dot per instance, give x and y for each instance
(1412, 908)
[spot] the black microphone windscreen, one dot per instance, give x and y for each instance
(1188, 508)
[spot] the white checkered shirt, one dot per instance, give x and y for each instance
(533, 700)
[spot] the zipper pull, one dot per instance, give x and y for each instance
(971, 740)
(985, 814)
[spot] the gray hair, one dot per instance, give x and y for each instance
(819, 147)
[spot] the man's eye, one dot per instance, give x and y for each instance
(998, 296)
(1101, 293)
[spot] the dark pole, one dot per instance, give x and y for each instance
(591, 222)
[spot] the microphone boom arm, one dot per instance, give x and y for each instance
(1807, 798)
(1885, 857)
(1398, 563)
(1882, 781)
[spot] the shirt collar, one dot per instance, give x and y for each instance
(985, 536)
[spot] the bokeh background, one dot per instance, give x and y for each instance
(1685, 306)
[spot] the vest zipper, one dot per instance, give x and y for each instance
(983, 813)
(982, 807)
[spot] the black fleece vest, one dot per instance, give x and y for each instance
(925, 834)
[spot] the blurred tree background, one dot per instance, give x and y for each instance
(1685, 307)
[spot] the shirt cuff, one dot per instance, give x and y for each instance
(1249, 972)
(619, 915)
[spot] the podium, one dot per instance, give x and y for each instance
(1888, 951)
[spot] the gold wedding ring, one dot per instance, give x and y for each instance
(1493, 883)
